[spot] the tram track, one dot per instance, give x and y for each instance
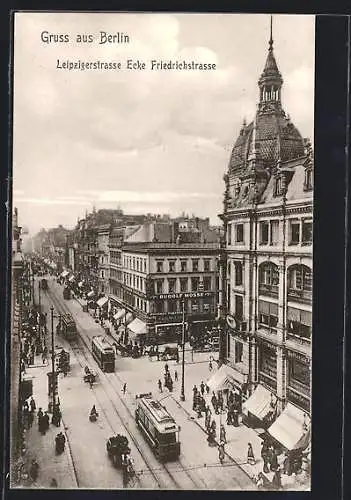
(162, 484)
(178, 467)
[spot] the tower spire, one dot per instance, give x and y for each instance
(271, 36)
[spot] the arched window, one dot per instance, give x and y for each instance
(300, 283)
(268, 279)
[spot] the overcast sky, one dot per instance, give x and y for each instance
(147, 141)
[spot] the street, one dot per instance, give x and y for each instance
(198, 466)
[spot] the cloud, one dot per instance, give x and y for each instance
(144, 134)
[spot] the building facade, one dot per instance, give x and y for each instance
(169, 271)
(267, 266)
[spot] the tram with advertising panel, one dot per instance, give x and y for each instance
(103, 353)
(158, 427)
(68, 327)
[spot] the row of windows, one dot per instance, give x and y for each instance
(134, 281)
(299, 276)
(299, 322)
(134, 263)
(300, 232)
(182, 265)
(182, 285)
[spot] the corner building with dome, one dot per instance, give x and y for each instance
(266, 271)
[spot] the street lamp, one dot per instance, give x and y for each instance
(182, 393)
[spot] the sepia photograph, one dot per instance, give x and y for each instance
(162, 251)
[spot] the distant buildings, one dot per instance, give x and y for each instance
(146, 265)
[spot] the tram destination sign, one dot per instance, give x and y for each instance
(188, 295)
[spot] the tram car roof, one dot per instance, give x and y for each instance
(102, 343)
(158, 413)
(67, 318)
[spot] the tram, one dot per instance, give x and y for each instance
(158, 427)
(44, 284)
(66, 293)
(68, 327)
(103, 353)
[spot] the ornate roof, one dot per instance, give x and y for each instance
(276, 137)
(271, 137)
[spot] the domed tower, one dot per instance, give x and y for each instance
(269, 140)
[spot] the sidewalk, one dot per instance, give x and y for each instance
(42, 448)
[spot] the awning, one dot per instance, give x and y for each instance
(128, 318)
(64, 274)
(102, 301)
(119, 314)
(291, 428)
(71, 278)
(137, 326)
(91, 294)
(259, 403)
(225, 378)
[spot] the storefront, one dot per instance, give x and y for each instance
(267, 364)
(298, 380)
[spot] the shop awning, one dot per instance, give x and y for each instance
(119, 314)
(71, 278)
(128, 318)
(291, 428)
(225, 378)
(91, 294)
(259, 403)
(64, 274)
(137, 326)
(102, 301)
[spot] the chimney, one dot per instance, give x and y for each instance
(174, 231)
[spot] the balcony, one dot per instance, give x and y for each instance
(303, 296)
(268, 290)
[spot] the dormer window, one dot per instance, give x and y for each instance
(308, 183)
(278, 186)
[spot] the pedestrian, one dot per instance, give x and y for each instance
(124, 388)
(176, 376)
(34, 469)
(53, 483)
(207, 389)
(264, 456)
(45, 422)
(202, 388)
(250, 455)
(277, 480)
(32, 405)
(159, 385)
(194, 390)
(210, 365)
(25, 406)
(274, 461)
(222, 434)
(166, 368)
(221, 452)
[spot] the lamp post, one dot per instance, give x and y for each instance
(182, 393)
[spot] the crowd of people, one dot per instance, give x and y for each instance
(32, 336)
